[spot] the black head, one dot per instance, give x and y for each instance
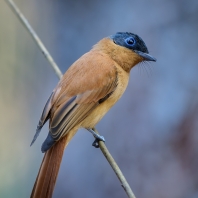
(133, 42)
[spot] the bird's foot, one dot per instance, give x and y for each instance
(97, 138)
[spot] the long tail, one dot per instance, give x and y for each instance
(47, 175)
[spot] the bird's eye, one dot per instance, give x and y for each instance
(130, 41)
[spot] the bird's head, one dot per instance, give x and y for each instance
(126, 48)
(132, 42)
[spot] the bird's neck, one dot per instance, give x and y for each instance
(124, 57)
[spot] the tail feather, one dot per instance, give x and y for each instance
(47, 175)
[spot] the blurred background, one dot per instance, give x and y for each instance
(152, 132)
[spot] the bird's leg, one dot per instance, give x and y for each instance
(97, 137)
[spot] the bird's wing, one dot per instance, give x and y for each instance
(87, 83)
(45, 114)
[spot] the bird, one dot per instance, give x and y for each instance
(85, 93)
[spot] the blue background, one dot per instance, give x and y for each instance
(152, 132)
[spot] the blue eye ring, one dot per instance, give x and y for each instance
(130, 41)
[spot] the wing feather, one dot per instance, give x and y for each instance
(85, 85)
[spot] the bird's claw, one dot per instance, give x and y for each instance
(97, 138)
(95, 143)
